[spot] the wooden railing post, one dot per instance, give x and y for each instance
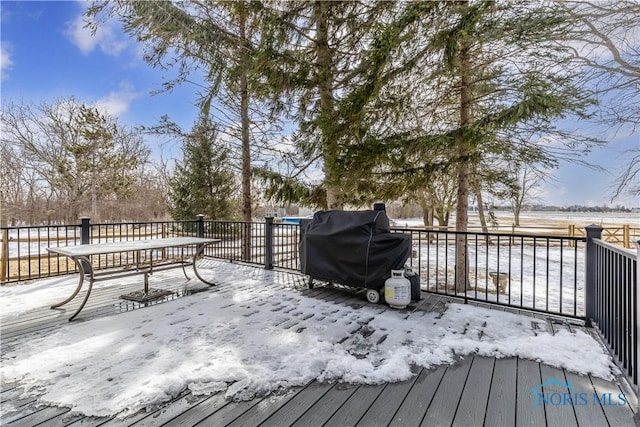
(4, 256)
(268, 243)
(590, 260)
(572, 233)
(626, 236)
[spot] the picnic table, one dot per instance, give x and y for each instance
(81, 256)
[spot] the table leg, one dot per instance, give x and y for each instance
(146, 283)
(198, 253)
(78, 262)
(81, 262)
(184, 270)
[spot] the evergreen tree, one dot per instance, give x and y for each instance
(202, 183)
(472, 75)
(328, 61)
(208, 41)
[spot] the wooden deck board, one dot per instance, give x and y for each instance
(473, 402)
(616, 415)
(474, 391)
(381, 412)
(328, 404)
(528, 413)
(228, 413)
(158, 415)
(9, 392)
(82, 421)
(198, 412)
(586, 411)
(263, 409)
(415, 404)
(298, 405)
(559, 412)
(16, 414)
(445, 403)
(501, 407)
(45, 417)
(356, 406)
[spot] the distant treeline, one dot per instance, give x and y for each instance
(580, 208)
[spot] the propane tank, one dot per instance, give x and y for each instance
(414, 280)
(397, 290)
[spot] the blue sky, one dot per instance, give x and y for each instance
(46, 54)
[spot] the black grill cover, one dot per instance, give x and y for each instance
(352, 248)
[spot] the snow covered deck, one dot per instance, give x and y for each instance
(262, 349)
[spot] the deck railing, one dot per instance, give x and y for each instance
(583, 278)
(540, 273)
(613, 300)
(23, 254)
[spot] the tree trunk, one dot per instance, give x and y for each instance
(427, 217)
(481, 215)
(334, 200)
(442, 215)
(516, 216)
(94, 197)
(477, 190)
(516, 206)
(325, 84)
(462, 223)
(463, 152)
(427, 210)
(246, 142)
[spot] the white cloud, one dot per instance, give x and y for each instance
(117, 103)
(5, 60)
(107, 37)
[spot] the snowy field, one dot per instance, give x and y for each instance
(542, 219)
(253, 335)
(578, 218)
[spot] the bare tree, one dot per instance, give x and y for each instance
(11, 179)
(525, 180)
(628, 181)
(67, 157)
(605, 41)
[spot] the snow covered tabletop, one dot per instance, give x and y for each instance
(133, 245)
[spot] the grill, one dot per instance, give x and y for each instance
(353, 248)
